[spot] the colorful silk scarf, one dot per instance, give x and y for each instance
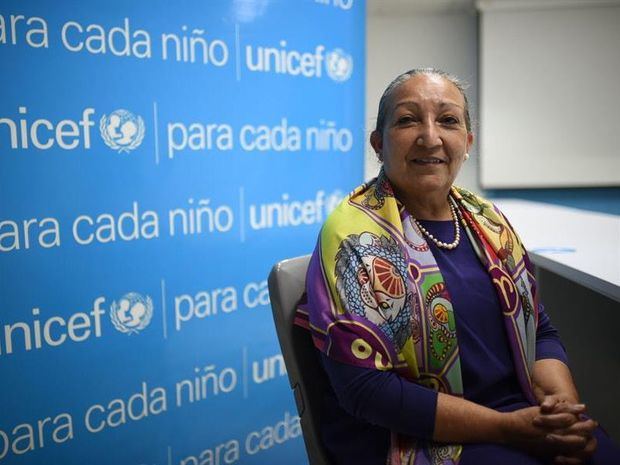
(377, 299)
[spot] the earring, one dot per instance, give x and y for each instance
(466, 155)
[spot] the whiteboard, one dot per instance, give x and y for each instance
(549, 94)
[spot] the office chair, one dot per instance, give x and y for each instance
(306, 376)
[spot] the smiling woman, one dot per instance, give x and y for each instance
(422, 138)
(423, 303)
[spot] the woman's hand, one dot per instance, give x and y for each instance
(556, 392)
(578, 457)
(529, 430)
(577, 438)
(555, 430)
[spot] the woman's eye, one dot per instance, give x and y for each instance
(405, 119)
(449, 120)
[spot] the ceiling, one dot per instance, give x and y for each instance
(403, 7)
(399, 7)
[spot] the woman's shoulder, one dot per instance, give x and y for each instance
(470, 195)
(347, 214)
(475, 202)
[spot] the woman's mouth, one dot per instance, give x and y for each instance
(428, 161)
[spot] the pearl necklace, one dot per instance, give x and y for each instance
(438, 243)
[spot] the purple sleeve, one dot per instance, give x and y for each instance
(383, 398)
(548, 344)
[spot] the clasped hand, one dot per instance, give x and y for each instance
(568, 432)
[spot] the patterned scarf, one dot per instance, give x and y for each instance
(377, 298)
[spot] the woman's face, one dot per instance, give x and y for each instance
(424, 139)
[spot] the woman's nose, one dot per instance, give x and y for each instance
(429, 135)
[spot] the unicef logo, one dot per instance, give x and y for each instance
(132, 313)
(339, 65)
(122, 130)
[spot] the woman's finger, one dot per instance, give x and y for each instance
(562, 407)
(549, 403)
(555, 420)
(582, 428)
(579, 456)
(567, 442)
(590, 447)
(564, 460)
(556, 404)
(566, 407)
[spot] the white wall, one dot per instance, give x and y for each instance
(410, 37)
(549, 93)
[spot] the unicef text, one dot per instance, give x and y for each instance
(198, 217)
(192, 45)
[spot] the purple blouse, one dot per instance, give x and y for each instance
(365, 404)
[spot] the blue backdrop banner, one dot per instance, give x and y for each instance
(156, 159)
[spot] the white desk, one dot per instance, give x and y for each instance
(579, 245)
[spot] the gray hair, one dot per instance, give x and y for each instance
(402, 78)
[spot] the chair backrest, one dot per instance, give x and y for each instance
(308, 380)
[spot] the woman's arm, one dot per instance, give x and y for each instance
(459, 420)
(385, 399)
(552, 377)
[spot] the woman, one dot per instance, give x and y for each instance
(423, 303)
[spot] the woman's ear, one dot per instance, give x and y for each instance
(470, 140)
(376, 141)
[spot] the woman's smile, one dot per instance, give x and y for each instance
(428, 161)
